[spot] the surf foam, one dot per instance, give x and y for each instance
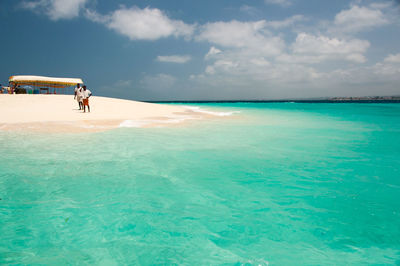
(200, 110)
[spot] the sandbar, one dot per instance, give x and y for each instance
(60, 113)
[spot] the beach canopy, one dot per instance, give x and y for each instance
(44, 81)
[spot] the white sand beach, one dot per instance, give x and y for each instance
(60, 113)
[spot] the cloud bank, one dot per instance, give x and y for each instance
(359, 18)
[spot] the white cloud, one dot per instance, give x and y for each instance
(389, 69)
(143, 24)
(330, 48)
(252, 36)
(359, 19)
(237, 67)
(223, 66)
(283, 3)
(393, 58)
(356, 58)
(179, 59)
(386, 74)
(96, 17)
(212, 52)
(255, 78)
(293, 80)
(56, 9)
(233, 33)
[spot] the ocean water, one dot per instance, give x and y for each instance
(262, 184)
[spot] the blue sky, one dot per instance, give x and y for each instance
(203, 50)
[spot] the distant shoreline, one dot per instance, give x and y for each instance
(372, 99)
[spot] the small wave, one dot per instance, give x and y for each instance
(143, 123)
(200, 110)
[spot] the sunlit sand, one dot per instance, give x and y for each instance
(60, 113)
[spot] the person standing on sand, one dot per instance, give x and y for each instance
(78, 95)
(86, 94)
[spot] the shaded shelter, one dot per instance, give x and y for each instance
(42, 84)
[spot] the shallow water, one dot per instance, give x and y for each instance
(275, 183)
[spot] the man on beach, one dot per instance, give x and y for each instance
(78, 95)
(86, 94)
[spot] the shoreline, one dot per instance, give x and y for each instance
(363, 99)
(60, 114)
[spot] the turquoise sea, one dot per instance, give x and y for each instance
(271, 184)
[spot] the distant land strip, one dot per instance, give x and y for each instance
(366, 99)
